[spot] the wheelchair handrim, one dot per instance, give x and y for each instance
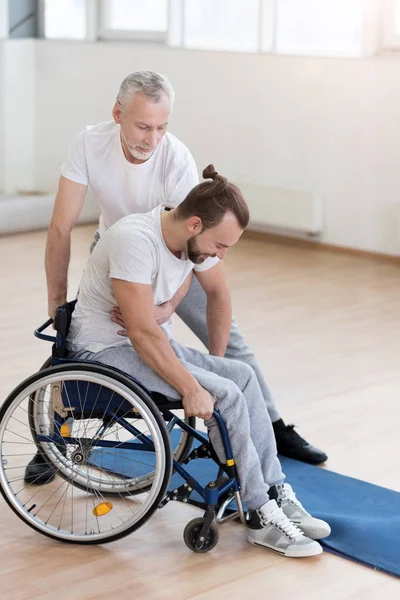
(149, 419)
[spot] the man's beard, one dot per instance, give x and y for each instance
(135, 152)
(138, 154)
(193, 253)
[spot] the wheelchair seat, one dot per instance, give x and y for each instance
(62, 322)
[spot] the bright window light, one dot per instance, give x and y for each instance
(65, 20)
(320, 27)
(397, 17)
(136, 15)
(221, 24)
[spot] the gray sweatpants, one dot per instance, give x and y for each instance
(238, 398)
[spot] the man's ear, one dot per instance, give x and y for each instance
(195, 225)
(116, 113)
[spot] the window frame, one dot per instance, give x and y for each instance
(379, 36)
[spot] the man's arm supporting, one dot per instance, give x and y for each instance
(67, 207)
(219, 308)
(162, 312)
(150, 342)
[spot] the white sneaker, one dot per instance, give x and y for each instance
(269, 527)
(316, 529)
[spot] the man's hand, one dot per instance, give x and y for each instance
(162, 313)
(199, 403)
(52, 307)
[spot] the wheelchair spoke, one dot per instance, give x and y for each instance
(94, 492)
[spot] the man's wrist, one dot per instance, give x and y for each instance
(188, 387)
(217, 350)
(54, 304)
(173, 304)
(57, 300)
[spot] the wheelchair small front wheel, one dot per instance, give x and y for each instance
(191, 535)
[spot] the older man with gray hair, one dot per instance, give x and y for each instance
(132, 165)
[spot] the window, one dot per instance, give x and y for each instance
(64, 20)
(391, 25)
(299, 27)
(134, 19)
(397, 18)
(221, 24)
(320, 27)
(343, 28)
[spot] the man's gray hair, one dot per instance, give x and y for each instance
(149, 83)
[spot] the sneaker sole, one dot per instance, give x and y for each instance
(294, 552)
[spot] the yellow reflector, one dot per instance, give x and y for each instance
(102, 509)
(230, 462)
(65, 431)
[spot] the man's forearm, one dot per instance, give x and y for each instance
(56, 262)
(155, 350)
(181, 293)
(219, 321)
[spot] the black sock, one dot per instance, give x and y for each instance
(273, 493)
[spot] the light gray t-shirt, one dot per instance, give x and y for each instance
(133, 249)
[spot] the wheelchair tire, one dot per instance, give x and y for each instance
(89, 517)
(191, 535)
(180, 450)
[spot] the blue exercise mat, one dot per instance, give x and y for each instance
(365, 518)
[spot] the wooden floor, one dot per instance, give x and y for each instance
(326, 329)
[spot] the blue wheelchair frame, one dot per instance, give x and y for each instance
(212, 493)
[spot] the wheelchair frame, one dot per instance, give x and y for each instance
(200, 534)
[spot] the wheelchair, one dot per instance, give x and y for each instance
(113, 445)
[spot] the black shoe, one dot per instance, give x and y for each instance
(39, 471)
(292, 445)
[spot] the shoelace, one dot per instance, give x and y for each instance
(288, 494)
(278, 518)
(294, 436)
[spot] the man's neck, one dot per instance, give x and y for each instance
(172, 233)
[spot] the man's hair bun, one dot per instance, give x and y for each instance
(209, 172)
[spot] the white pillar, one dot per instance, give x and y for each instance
(17, 115)
(3, 19)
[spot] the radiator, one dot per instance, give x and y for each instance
(280, 210)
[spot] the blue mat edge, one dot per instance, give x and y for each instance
(324, 543)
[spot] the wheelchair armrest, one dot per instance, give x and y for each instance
(62, 321)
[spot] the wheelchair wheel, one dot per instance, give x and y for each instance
(181, 441)
(104, 435)
(192, 532)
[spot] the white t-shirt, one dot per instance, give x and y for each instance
(121, 188)
(132, 250)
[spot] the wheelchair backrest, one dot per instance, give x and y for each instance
(62, 321)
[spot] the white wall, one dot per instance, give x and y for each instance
(324, 125)
(17, 116)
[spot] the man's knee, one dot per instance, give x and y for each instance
(237, 347)
(242, 373)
